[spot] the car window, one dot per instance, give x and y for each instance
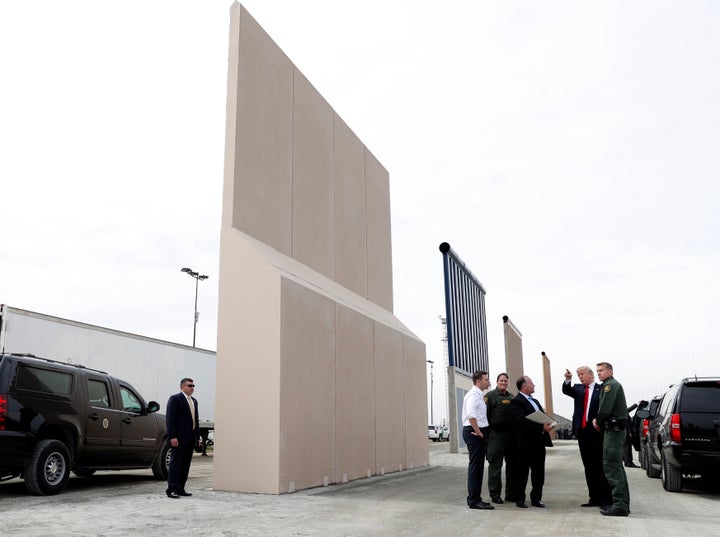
(668, 400)
(130, 401)
(98, 392)
(701, 397)
(43, 380)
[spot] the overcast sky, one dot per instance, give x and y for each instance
(568, 152)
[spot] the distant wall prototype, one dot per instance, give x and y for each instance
(513, 352)
(318, 382)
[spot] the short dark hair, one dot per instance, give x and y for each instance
(607, 365)
(520, 382)
(186, 379)
(478, 375)
(502, 375)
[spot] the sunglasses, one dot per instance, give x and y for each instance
(190, 385)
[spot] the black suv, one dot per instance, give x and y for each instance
(57, 417)
(684, 437)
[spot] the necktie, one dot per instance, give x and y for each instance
(585, 406)
(192, 410)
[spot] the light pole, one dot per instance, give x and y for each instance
(432, 420)
(197, 277)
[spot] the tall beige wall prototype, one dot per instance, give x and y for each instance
(547, 389)
(318, 382)
(513, 352)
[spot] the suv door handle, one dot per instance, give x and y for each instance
(127, 420)
(93, 416)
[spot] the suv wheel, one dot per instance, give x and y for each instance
(162, 461)
(671, 476)
(48, 470)
(650, 469)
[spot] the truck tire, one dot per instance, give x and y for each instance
(671, 476)
(48, 470)
(650, 469)
(162, 461)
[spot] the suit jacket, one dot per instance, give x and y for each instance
(577, 392)
(179, 419)
(529, 434)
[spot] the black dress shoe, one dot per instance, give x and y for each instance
(183, 493)
(538, 504)
(521, 504)
(480, 505)
(606, 507)
(172, 494)
(590, 504)
(631, 465)
(615, 511)
(497, 499)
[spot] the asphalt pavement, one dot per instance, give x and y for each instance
(426, 501)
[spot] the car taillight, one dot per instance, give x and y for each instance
(675, 435)
(3, 410)
(645, 427)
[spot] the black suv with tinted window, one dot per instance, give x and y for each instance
(57, 417)
(685, 434)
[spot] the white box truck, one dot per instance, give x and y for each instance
(153, 366)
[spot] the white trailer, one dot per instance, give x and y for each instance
(154, 367)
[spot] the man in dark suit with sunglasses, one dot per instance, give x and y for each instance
(182, 428)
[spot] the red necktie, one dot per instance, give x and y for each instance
(585, 404)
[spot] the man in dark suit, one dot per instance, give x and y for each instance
(590, 441)
(532, 438)
(182, 428)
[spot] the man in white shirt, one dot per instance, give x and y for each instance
(475, 435)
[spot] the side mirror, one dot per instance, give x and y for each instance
(642, 414)
(153, 406)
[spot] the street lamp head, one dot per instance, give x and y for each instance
(185, 269)
(203, 277)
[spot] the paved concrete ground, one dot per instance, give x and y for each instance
(421, 502)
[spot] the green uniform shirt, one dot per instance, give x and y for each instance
(498, 408)
(612, 402)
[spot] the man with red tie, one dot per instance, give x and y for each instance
(590, 441)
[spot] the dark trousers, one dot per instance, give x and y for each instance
(530, 462)
(627, 451)
(180, 460)
(590, 442)
(476, 451)
(501, 445)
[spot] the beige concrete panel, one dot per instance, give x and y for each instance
(513, 352)
(415, 402)
(231, 113)
(390, 412)
(307, 393)
(248, 369)
(313, 189)
(262, 168)
(355, 396)
(379, 244)
(350, 230)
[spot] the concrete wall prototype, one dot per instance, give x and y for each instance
(513, 352)
(318, 381)
(547, 389)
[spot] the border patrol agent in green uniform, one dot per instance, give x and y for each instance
(611, 419)
(501, 443)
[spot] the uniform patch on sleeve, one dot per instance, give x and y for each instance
(607, 389)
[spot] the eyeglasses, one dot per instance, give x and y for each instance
(190, 385)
